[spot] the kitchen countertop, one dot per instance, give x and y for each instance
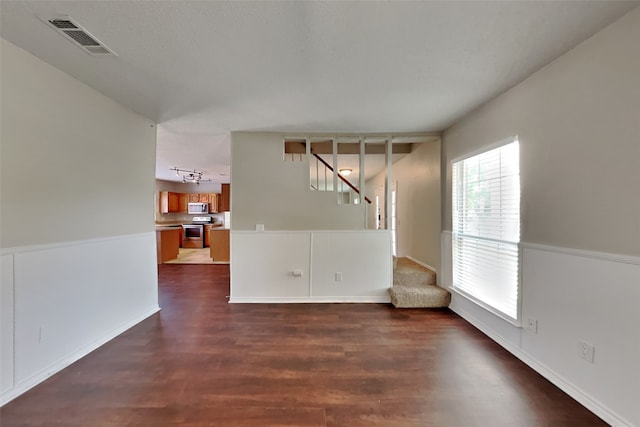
(167, 227)
(162, 227)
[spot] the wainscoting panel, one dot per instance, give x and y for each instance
(73, 297)
(263, 266)
(6, 323)
(578, 297)
(575, 296)
(362, 259)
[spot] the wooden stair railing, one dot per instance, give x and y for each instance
(328, 166)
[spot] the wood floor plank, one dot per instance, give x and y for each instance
(203, 362)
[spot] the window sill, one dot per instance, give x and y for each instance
(515, 322)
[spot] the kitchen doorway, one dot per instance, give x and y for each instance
(192, 256)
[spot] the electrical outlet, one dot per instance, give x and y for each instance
(532, 325)
(586, 351)
(338, 276)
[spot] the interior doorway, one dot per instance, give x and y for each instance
(380, 210)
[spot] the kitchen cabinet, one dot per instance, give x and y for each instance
(203, 198)
(219, 244)
(169, 202)
(167, 244)
(207, 239)
(184, 202)
(194, 198)
(213, 202)
(224, 204)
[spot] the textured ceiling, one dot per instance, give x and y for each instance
(202, 69)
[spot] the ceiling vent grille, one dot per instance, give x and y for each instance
(75, 33)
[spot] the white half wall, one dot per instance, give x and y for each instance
(69, 299)
(574, 296)
(263, 266)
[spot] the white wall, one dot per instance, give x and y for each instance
(263, 266)
(266, 190)
(418, 203)
(77, 185)
(578, 121)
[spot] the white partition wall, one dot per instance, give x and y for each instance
(311, 266)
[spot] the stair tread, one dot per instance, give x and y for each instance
(419, 288)
(414, 286)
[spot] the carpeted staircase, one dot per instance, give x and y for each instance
(415, 286)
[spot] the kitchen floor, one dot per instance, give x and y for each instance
(192, 256)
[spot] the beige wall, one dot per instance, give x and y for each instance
(578, 121)
(75, 165)
(418, 203)
(266, 190)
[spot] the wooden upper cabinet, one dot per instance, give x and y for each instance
(184, 202)
(194, 198)
(224, 202)
(213, 203)
(203, 198)
(169, 202)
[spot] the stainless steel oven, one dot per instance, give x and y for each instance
(192, 236)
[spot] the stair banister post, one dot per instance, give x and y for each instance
(308, 157)
(388, 182)
(334, 143)
(363, 190)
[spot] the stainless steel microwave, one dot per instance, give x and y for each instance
(198, 208)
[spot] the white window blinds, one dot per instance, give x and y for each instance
(486, 227)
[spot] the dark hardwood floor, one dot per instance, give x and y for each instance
(203, 362)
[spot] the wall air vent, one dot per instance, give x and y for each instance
(75, 33)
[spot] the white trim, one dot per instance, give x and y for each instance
(604, 256)
(48, 246)
(312, 300)
(562, 383)
(306, 231)
(56, 367)
(422, 264)
(485, 148)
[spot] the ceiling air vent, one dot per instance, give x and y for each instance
(79, 36)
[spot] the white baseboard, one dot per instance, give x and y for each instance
(71, 358)
(583, 398)
(312, 300)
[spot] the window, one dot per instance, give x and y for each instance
(486, 228)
